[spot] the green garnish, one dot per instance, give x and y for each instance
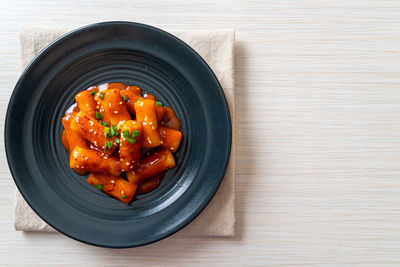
(98, 115)
(131, 140)
(130, 137)
(108, 145)
(102, 95)
(99, 186)
(123, 196)
(135, 133)
(158, 103)
(125, 98)
(93, 92)
(117, 140)
(140, 99)
(107, 133)
(114, 131)
(104, 123)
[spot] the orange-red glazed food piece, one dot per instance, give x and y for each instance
(170, 138)
(112, 107)
(100, 126)
(160, 110)
(90, 129)
(85, 101)
(72, 138)
(149, 96)
(130, 97)
(94, 161)
(130, 144)
(154, 164)
(170, 120)
(119, 86)
(134, 89)
(146, 115)
(114, 186)
(149, 184)
(105, 86)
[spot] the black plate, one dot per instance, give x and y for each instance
(136, 54)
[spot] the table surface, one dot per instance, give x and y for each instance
(318, 101)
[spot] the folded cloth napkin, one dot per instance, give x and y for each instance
(217, 49)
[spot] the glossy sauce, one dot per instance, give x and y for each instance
(114, 129)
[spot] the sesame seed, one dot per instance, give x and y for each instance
(127, 164)
(120, 103)
(91, 123)
(115, 112)
(171, 148)
(91, 130)
(112, 181)
(152, 127)
(109, 105)
(95, 132)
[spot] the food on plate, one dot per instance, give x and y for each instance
(122, 137)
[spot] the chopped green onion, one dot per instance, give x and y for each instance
(114, 130)
(99, 186)
(123, 196)
(140, 99)
(104, 123)
(125, 133)
(102, 95)
(135, 133)
(108, 145)
(131, 140)
(117, 140)
(107, 133)
(125, 98)
(98, 115)
(158, 103)
(93, 92)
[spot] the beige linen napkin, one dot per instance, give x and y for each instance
(217, 49)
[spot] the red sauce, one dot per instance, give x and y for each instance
(116, 131)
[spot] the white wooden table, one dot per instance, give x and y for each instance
(318, 101)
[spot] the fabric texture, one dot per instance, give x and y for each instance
(217, 49)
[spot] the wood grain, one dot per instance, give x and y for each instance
(318, 151)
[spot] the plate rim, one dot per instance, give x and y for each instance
(12, 102)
